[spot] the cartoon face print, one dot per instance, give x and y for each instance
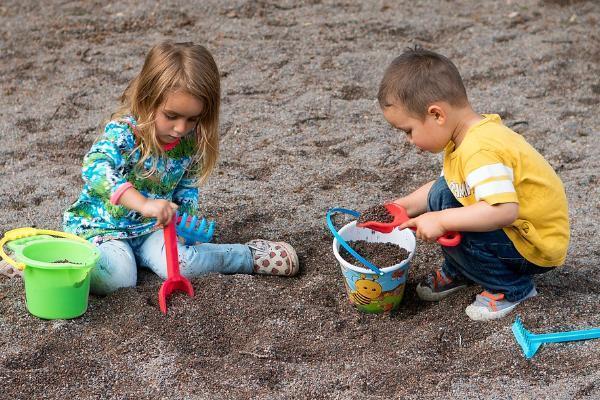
(367, 290)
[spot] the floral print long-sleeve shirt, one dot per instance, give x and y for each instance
(108, 170)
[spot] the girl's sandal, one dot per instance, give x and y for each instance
(273, 258)
(9, 271)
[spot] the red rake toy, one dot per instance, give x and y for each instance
(175, 281)
(449, 239)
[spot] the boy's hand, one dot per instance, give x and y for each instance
(160, 209)
(428, 226)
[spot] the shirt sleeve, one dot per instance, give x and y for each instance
(104, 165)
(186, 193)
(491, 178)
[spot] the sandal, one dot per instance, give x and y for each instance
(273, 258)
(9, 271)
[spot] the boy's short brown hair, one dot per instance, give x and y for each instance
(417, 78)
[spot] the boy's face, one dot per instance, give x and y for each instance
(431, 135)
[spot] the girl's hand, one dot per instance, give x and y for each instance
(182, 240)
(162, 210)
(428, 226)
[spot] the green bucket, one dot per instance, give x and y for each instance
(56, 274)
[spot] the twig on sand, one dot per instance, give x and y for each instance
(557, 41)
(254, 354)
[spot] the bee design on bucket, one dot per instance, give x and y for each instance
(367, 290)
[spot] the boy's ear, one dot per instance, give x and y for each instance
(437, 112)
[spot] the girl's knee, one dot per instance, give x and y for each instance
(116, 268)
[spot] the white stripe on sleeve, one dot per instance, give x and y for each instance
(492, 188)
(489, 171)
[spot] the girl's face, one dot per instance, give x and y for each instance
(177, 116)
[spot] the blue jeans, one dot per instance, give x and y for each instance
(117, 267)
(488, 259)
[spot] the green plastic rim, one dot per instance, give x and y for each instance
(48, 254)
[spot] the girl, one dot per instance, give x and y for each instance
(158, 148)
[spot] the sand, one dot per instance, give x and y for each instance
(301, 132)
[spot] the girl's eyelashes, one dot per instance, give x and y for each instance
(172, 117)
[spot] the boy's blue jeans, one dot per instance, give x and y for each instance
(487, 258)
(117, 267)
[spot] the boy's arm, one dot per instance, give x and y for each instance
(479, 217)
(416, 202)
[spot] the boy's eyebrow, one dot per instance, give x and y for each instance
(402, 128)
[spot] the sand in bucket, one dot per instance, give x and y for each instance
(367, 290)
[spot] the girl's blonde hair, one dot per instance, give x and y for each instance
(170, 67)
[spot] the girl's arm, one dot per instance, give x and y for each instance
(162, 210)
(416, 202)
(103, 169)
(186, 193)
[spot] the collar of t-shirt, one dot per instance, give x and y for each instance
(169, 146)
(451, 146)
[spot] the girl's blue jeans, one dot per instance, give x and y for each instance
(488, 259)
(119, 259)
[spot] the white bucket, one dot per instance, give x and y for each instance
(367, 290)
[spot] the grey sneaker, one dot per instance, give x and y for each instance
(488, 306)
(273, 258)
(438, 285)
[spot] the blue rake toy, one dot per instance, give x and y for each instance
(192, 232)
(531, 342)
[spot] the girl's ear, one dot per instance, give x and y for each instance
(438, 113)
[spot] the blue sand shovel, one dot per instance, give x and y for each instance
(531, 342)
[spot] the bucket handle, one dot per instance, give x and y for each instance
(340, 239)
(21, 233)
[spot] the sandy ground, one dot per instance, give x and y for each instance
(301, 132)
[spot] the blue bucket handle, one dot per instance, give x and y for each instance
(340, 239)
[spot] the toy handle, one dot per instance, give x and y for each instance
(170, 236)
(448, 239)
(341, 240)
(568, 336)
(21, 233)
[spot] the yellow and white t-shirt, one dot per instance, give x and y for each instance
(496, 165)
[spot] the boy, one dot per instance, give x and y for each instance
(495, 188)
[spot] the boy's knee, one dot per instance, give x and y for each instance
(440, 197)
